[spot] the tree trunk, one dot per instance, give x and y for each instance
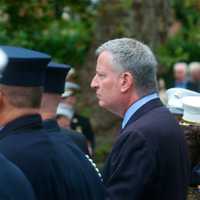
(151, 21)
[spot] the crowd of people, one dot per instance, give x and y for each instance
(183, 101)
(184, 76)
(187, 76)
(46, 146)
(68, 117)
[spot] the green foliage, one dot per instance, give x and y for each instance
(60, 28)
(185, 45)
(102, 151)
(126, 4)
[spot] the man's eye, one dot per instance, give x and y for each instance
(101, 75)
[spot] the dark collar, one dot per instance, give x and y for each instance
(144, 109)
(51, 124)
(26, 122)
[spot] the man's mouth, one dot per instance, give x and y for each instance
(98, 95)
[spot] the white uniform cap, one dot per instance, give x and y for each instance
(71, 85)
(175, 97)
(191, 109)
(67, 93)
(65, 110)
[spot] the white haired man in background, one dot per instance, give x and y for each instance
(194, 82)
(180, 73)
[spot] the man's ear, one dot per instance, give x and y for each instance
(1, 98)
(126, 81)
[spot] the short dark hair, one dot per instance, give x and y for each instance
(23, 97)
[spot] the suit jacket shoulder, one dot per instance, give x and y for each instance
(149, 155)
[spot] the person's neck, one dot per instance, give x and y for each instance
(133, 99)
(49, 105)
(7, 116)
(127, 103)
(48, 115)
(180, 80)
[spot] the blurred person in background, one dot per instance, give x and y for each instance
(64, 115)
(194, 81)
(190, 123)
(191, 126)
(67, 114)
(53, 88)
(180, 75)
(174, 100)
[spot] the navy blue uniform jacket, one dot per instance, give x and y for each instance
(78, 139)
(149, 160)
(56, 169)
(83, 125)
(13, 183)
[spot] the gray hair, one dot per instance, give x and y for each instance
(137, 58)
(181, 65)
(194, 66)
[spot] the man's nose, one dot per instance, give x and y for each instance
(93, 83)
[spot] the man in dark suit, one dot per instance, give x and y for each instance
(53, 88)
(13, 183)
(149, 159)
(56, 168)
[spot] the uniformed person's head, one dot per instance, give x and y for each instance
(21, 79)
(69, 97)
(175, 100)
(66, 108)
(191, 126)
(53, 88)
(184, 113)
(64, 115)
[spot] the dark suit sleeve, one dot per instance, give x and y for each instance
(131, 167)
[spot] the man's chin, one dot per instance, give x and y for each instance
(108, 108)
(101, 104)
(104, 106)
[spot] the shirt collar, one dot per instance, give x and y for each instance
(137, 105)
(181, 84)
